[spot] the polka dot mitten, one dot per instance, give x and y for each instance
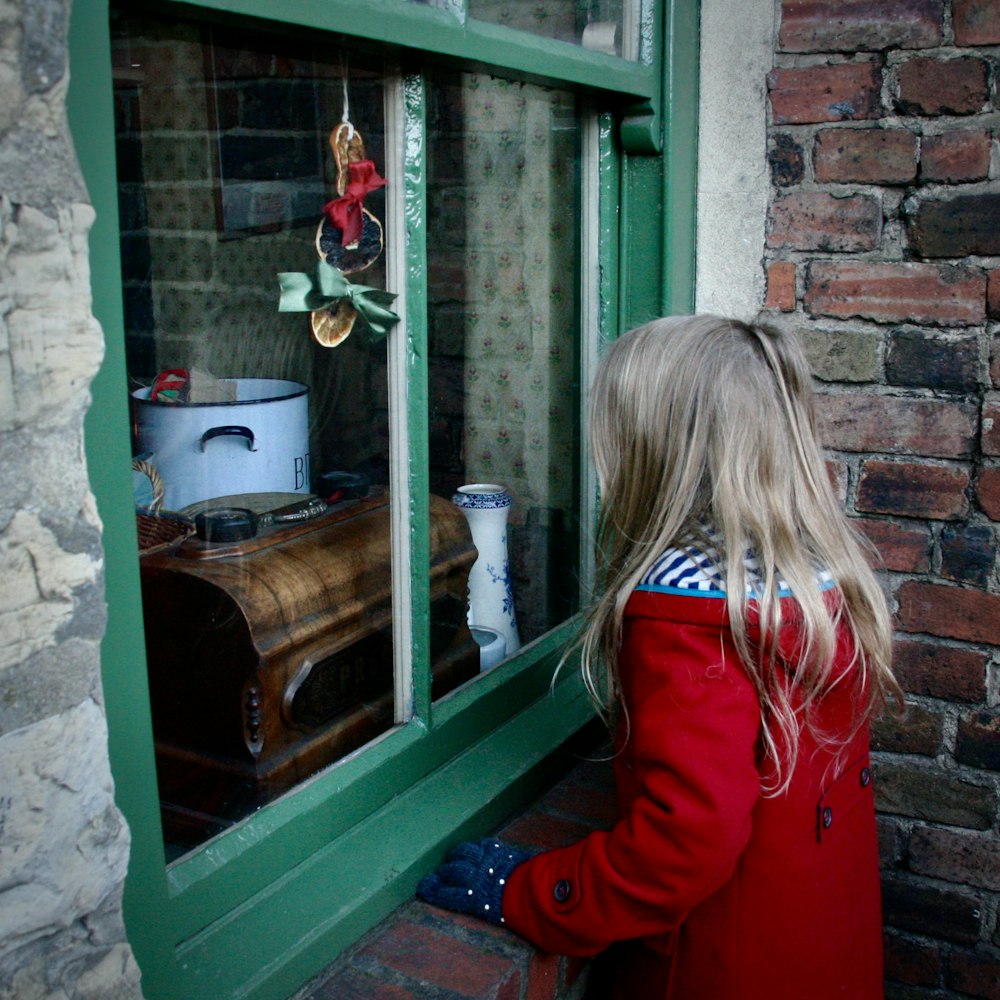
(473, 878)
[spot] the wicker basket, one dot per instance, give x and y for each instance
(158, 530)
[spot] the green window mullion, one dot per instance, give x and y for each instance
(414, 221)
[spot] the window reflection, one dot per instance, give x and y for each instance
(502, 275)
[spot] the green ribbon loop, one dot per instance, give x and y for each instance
(300, 293)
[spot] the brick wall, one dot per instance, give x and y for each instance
(883, 246)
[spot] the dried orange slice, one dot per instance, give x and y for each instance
(332, 326)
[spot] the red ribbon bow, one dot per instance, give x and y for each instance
(345, 212)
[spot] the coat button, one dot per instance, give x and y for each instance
(827, 817)
(562, 890)
(866, 777)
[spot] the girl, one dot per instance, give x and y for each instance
(743, 644)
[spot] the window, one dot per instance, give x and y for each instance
(305, 699)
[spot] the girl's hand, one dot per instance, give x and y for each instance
(473, 878)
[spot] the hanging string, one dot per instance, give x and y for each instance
(346, 118)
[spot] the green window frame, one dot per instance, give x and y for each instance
(341, 852)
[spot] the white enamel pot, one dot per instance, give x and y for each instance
(258, 443)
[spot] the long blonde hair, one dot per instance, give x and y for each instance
(702, 421)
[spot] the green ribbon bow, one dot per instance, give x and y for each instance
(300, 293)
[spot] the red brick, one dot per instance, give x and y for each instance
(976, 22)
(947, 914)
(938, 671)
(896, 292)
(956, 226)
(897, 425)
(815, 220)
(909, 489)
(859, 25)
(923, 791)
(993, 309)
(950, 612)
(902, 548)
(956, 856)
(920, 731)
(975, 974)
(825, 93)
(988, 492)
(780, 286)
(543, 977)
(543, 831)
(968, 553)
(977, 741)
(991, 429)
(956, 156)
(591, 801)
(425, 953)
(839, 479)
(865, 155)
(916, 963)
(942, 86)
(888, 841)
(353, 984)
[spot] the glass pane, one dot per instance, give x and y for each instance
(261, 437)
(608, 26)
(503, 238)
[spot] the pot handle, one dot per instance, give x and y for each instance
(229, 430)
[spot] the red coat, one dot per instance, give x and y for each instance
(742, 897)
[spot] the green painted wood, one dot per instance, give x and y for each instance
(324, 905)
(425, 29)
(279, 861)
(609, 216)
(123, 654)
(416, 402)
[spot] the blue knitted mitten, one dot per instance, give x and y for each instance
(473, 878)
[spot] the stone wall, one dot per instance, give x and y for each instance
(63, 843)
(883, 247)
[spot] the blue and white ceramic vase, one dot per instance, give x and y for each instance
(491, 600)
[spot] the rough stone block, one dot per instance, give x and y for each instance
(929, 86)
(956, 157)
(956, 227)
(950, 612)
(72, 843)
(896, 292)
(864, 422)
(846, 91)
(865, 156)
(815, 220)
(842, 355)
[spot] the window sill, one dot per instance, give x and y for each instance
(420, 950)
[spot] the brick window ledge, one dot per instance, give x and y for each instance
(422, 953)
